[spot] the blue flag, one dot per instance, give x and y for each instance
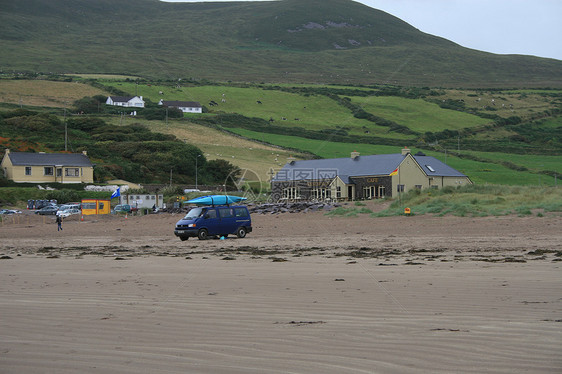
(117, 193)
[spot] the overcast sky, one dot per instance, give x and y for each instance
(529, 27)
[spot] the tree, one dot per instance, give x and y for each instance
(221, 172)
(89, 104)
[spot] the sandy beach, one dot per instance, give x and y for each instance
(303, 293)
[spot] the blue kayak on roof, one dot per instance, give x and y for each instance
(216, 200)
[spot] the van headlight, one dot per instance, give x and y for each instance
(191, 225)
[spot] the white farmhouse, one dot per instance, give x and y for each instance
(184, 106)
(126, 101)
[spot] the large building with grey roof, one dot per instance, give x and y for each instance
(362, 177)
(28, 167)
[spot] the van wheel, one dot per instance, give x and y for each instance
(203, 234)
(184, 238)
(241, 232)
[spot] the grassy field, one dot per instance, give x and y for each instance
(44, 93)
(314, 112)
(532, 162)
(466, 201)
(481, 201)
(257, 158)
(418, 115)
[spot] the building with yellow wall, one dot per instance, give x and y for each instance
(362, 177)
(27, 167)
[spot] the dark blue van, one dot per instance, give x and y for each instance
(223, 220)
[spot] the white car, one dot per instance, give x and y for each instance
(10, 211)
(67, 212)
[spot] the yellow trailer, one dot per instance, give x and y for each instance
(95, 206)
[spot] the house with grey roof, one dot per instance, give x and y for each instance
(362, 177)
(184, 106)
(126, 101)
(28, 167)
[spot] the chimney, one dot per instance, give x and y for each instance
(355, 155)
(291, 160)
(85, 153)
(406, 151)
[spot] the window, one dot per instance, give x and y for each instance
(72, 172)
(290, 193)
(59, 172)
(435, 187)
(419, 186)
(48, 170)
(338, 192)
(225, 212)
(400, 188)
(101, 205)
(382, 191)
(367, 192)
(240, 212)
(211, 213)
(28, 170)
(321, 193)
(430, 168)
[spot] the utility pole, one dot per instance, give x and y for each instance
(65, 130)
(458, 143)
(171, 177)
(196, 170)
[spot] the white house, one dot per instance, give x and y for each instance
(126, 101)
(184, 106)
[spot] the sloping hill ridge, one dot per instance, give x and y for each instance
(312, 41)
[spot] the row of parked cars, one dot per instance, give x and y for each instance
(64, 210)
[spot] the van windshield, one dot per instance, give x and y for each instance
(193, 213)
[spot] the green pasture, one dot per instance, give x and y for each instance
(321, 148)
(312, 112)
(418, 114)
(534, 163)
(521, 103)
(550, 123)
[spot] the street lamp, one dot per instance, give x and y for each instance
(196, 170)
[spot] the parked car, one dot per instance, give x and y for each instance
(122, 208)
(66, 207)
(10, 211)
(222, 220)
(70, 206)
(50, 210)
(67, 212)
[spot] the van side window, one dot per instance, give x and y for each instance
(240, 212)
(225, 212)
(211, 213)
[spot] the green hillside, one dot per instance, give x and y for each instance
(493, 136)
(312, 41)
